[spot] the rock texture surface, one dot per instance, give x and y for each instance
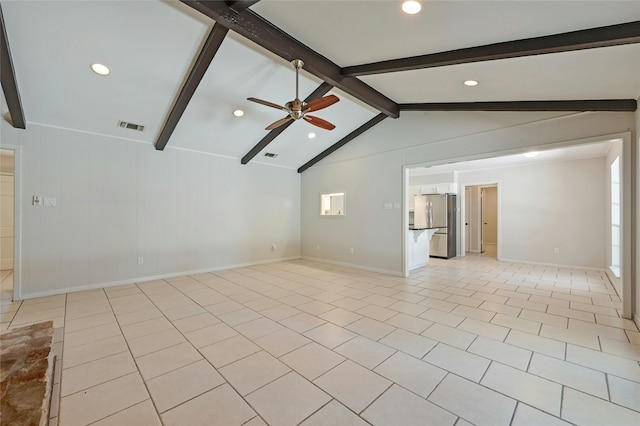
(26, 374)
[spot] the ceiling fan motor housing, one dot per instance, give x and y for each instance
(295, 108)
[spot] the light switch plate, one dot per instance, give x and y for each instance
(388, 206)
(49, 202)
(37, 200)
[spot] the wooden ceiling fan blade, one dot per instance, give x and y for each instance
(267, 103)
(278, 123)
(324, 102)
(316, 121)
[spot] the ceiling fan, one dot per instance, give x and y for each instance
(298, 109)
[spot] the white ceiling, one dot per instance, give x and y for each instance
(151, 45)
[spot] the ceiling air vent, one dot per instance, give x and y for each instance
(131, 126)
(270, 155)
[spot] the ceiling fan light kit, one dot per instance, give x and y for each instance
(298, 109)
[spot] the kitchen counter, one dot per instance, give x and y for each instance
(418, 246)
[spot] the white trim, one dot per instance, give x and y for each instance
(17, 219)
(521, 150)
(615, 281)
(355, 266)
(168, 147)
(555, 265)
(626, 198)
(151, 278)
(87, 132)
(463, 201)
(406, 173)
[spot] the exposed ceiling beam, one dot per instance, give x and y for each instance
(322, 90)
(612, 35)
(360, 130)
(615, 105)
(8, 79)
(211, 46)
(262, 32)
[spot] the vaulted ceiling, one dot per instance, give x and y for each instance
(181, 68)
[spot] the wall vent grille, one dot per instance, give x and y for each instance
(132, 126)
(270, 155)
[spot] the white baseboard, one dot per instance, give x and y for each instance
(97, 286)
(355, 266)
(616, 282)
(556, 265)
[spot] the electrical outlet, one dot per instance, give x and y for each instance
(351, 250)
(556, 250)
(37, 200)
(140, 260)
(273, 247)
(317, 246)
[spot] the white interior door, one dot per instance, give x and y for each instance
(467, 219)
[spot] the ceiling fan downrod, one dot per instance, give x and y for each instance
(296, 105)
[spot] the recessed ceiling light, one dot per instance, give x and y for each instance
(311, 135)
(471, 83)
(100, 69)
(531, 154)
(238, 113)
(411, 7)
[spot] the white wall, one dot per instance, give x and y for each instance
(367, 227)
(118, 200)
(371, 172)
(449, 177)
(635, 271)
(550, 205)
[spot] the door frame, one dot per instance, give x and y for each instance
(482, 189)
(466, 208)
(463, 206)
(17, 219)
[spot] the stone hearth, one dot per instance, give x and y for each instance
(26, 374)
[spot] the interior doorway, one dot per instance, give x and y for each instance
(481, 219)
(7, 222)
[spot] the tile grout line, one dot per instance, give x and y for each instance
(378, 341)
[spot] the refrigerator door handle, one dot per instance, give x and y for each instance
(430, 214)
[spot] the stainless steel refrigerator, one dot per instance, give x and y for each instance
(438, 211)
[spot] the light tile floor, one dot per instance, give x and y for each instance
(462, 341)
